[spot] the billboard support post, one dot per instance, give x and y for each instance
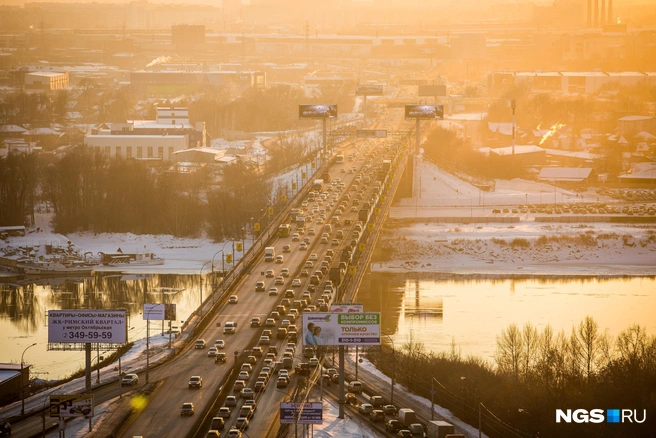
(148, 344)
(365, 108)
(357, 356)
(417, 137)
(87, 362)
(342, 364)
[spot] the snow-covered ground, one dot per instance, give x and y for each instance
(519, 248)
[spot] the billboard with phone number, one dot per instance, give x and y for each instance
(334, 329)
(87, 326)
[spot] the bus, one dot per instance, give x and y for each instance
(339, 159)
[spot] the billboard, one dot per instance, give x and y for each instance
(307, 413)
(371, 133)
(159, 312)
(369, 90)
(424, 112)
(320, 111)
(431, 90)
(87, 326)
(413, 82)
(71, 405)
(347, 308)
(341, 328)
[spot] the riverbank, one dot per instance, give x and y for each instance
(522, 249)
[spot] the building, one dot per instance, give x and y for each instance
(12, 381)
(150, 139)
(177, 81)
(632, 125)
(46, 80)
(566, 174)
(188, 37)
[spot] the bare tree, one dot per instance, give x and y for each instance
(509, 350)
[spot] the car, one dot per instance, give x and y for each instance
(311, 232)
(393, 426)
(270, 322)
(257, 351)
(376, 401)
(187, 410)
(267, 333)
(234, 299)
(238, 386)
(304, 273)
(246, 411)
(247, 366)
(234, 433)
(251, 360)
(264, 340)
(365, 408)
(200, 344)
(324, 240)
(334, 242)
(314, 257)
(314, 362)
(195, 382)
(389, 410)
(218, 423)
(224, 412)
(315, 280)
(259, 286)
(302, 369)
(377, 416)
(273, 291)
(251, 403)
(282, 372)
(220, 357)
(219, 344)
(296, 282)
(284, 272)
(306, 240)
(244, 375)
(275, 315)
(256, 321)
(296, 237)
(309, 264)
(279, 280)
(303, 246)
(129, 380)
(355, 387)
(282, 382)
(270, 273)
(404, 433)
(286, 248)
(212, 352)
(279, 259)
(231, 401)
(229, 328)
(260, 385)
(247, 393)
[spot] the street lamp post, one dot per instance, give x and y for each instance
(23, 380)
(393, 365)
(200, 308)
(478, 394)
(222, 270)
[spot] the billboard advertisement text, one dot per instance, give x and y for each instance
(369, 90)
(320, 111)
(424, 112)
(87, 326)
(341, 329)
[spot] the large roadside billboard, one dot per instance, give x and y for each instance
(301, 413)
(431, 90)
(334, 329)
(319, 111)
(87, 326)
(159, 312)
(369, 90)
(424, 112)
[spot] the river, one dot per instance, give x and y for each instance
(431, 309)
(438, 311)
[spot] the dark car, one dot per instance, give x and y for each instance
(218, 423)
(302, 369)
(389, 409)
(187, 410)
(404, 433)
(393, 426)
(220, 357)
(377, 416)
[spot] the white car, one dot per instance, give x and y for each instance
(302, 246)
(234, 299)
(296, 282)
(219, 344)
(314, 256)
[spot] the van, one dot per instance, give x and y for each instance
(269, 253)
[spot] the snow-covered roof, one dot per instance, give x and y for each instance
(12, 128)
(41, 131)
(519, 149)
(645, 135)
(573, 174)
(642, 171)
(152, 124)
(224, 159)
(203, 150)
(573, 154)
(501, 128)
(634, 118)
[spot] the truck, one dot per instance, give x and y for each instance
(269, 253)
(317, 185)
(439, 429)
(407, 416)
(287, 362)
(284, 230)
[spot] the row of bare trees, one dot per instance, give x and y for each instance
(534, 373)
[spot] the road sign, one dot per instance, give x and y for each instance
(306, 413)
(71, 405)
